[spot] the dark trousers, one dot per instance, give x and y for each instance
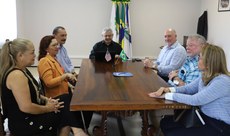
(212, 127)
(77, 114)
(87, 118)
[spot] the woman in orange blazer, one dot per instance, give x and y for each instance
(53, 76)
(55, 80)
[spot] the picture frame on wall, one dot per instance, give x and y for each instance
(223, 5)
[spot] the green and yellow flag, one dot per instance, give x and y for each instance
(120, 24)
(123, 56)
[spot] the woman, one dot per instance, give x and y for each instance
(28, 112)
(55, 80)
(211, 93)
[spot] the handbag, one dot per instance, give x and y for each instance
(189, 117)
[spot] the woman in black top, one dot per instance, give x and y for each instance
(28, 112)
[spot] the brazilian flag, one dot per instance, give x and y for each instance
(123, 56)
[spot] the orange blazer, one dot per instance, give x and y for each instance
(50, 72)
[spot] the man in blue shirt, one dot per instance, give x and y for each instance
(171, 57)
(189, 71)
(60, 35)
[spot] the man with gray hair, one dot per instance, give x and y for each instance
(107, 49)
(189, 71)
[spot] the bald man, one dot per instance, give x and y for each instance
(171, 57)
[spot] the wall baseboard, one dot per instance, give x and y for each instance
(76, 61)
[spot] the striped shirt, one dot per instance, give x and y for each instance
(171, 58)
(189, 71)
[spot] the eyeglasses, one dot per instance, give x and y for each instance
(55, 45)
(199, 57)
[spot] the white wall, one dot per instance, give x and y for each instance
(218, 26)
(84, 20)
(8, 23)
(150, 18)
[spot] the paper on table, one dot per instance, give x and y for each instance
(122, 74)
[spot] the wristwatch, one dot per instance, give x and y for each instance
(176, 82)
(173, 78)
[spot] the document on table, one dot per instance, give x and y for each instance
(122, 74)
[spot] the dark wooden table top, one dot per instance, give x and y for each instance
(97, 89)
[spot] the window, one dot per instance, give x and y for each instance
(8, 23)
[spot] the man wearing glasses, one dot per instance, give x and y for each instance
(189, 71)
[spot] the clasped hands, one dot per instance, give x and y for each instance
(70, 76)
(54, 105)
(160, 93)
(149, 64)
(72, 79)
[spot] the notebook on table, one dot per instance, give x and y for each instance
(122, 74)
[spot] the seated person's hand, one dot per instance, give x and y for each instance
(148, 63)
(72, 81)
(53, 105)
(71, 77)
(117, 56)
(75, 74)
(117, 59)
(173, 74)
(159, 93)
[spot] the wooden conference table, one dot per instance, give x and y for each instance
(98, 90)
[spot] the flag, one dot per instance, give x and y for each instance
(127, 33)
(123, 56)
(120, 24)
(108, 56)
(114, 22)
(117, 20)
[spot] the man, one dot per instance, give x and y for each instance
(106, 50)
(171, 57)
(60, 35)
(189, 71)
